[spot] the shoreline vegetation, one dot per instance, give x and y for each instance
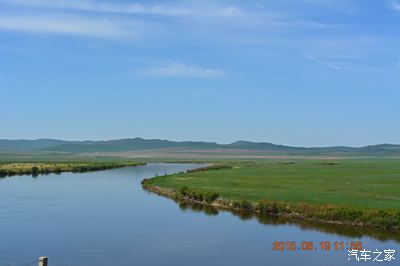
(35, 169)
(182, 188)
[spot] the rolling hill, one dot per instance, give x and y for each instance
(140, 144)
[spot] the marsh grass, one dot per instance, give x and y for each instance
(35, 169)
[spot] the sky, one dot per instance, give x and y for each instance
(302, 73)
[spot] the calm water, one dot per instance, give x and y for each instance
(105, 218)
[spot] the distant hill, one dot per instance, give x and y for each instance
(258, 146)
(135, 144)
(140, 144)
(28, 145)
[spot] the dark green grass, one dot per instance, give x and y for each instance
(356, 184)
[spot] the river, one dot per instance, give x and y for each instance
(106, 218)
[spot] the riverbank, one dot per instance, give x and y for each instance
(36, 168)
(306, 190)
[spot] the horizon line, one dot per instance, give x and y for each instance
(214, 142)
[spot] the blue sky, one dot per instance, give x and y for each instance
(304, 73)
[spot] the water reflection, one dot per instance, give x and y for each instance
(208, 210)
(340, 230)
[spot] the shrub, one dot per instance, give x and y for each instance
(195, 195)
(35, 171)
(57, 170)
(246, 205)
(199, 195)
(11, 173)
(263, 207)
(274, 209)
(236, 204)
(183, 191)
(3, 173)
(209, 196)
(242, 205)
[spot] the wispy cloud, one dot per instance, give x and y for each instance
(325, 63)
(209, 20)
(395, 5)
(347, 63)
(119, 8)
(288, 22)
(66, 25)
(189, 10)
(182, 71)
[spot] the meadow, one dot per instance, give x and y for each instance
(364, 192)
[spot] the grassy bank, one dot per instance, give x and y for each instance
(35, 168)
(356, 192)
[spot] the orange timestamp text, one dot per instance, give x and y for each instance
(316, 246)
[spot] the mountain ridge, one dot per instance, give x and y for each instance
(141, 144)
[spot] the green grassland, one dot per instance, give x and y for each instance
(360, 191)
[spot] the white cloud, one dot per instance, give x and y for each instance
(66, 25)
(183, 71)
(395, 5)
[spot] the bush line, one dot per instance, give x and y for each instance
(38, 170)
(210, 167)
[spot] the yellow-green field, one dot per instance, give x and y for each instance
(10, 169)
